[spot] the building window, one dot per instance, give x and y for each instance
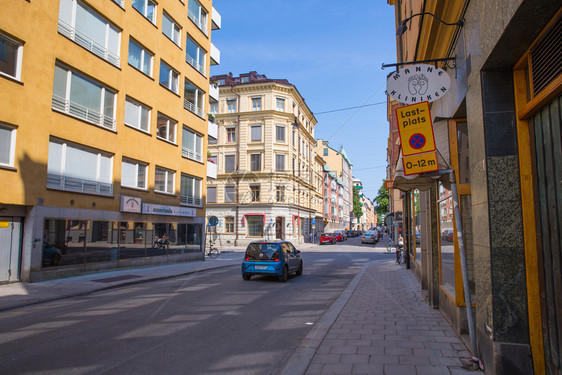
(231, 135)
(79, 169)
(281, 104)
(193, 98)
(121, 3)
(137, 115)
(164, 180)
(231, 105)
(244, 79)
(255, 193)
(147, 8)
(171, 29)
(166, 128)
(280, 162)
(229, 194)
(325, 153)
(280, 133)
(86, 28)
(256, 104)
(169, 78)
(229, 224)
(195, 55)
(221, 82)
(7, 145)
(197, 14)
(10, 57)
(255, 226)
(255, 162)
(133, 174)
(229, 163)
(214, 108)
(140, 58)
(255, 133)
(190, 191)
(280, 193)
(80, 97)
(211, 194)
(192, 145)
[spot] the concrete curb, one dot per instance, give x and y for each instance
(302, 356)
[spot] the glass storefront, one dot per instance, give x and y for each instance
(447, 243)
(76, 242)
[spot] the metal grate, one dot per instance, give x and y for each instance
(546, 57)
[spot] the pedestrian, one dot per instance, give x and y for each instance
(311, 237)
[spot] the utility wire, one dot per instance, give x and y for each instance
(346, 109)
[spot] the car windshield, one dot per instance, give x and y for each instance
(326, 234)
(261, 251)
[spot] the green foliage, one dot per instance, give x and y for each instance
(357, 211)
(381, 201)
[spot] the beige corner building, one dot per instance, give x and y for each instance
(103, 130)
(269, 182)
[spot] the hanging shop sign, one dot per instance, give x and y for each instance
(418, 83)
(415, 129)
(388, 184)
(420, 163)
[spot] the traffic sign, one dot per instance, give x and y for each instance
(415, 128)
(420, 163)
(388, 184)
(213, 221)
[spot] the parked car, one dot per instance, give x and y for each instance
(51, 255)
(418, 237)
(338, 236)
(369, 237)
(447, 235)
(274, 258)
(342, 232)
(327, 238)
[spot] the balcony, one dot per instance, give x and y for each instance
(78, 185)
(84, 113)
(211, 170)
(215, 20)
(190, 154)
(200, 22)
(189, 200)
(215, 55)
(191, 61)
(191, 107)
(212, 129)
(214, 92)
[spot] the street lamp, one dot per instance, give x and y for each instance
(403, 27)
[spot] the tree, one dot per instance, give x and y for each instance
(357, 210)
(381, 201)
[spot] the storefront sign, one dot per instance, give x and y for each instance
(388, 184)
(131, 204)
(157, 209)
(4, 224)
(415, 128)
(420, 163)
(418, 83)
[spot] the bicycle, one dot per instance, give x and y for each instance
(399, 254)
(213, 252)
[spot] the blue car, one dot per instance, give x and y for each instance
(276, 258)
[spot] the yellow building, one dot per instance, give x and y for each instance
(268, 175)
(104, 132)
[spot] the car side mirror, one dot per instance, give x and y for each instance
(297, 251)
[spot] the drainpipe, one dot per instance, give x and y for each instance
(237, 168)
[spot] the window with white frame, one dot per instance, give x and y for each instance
(137, 115)
(256, 104)
(147, 8)
(211, 194)
(192, 145)
(197, 14)
(281, 104)
(255, 162)
(164, 180)
(7, 145)
(231, 135)
(195, 55)
(80, 97)
(171, 29)
(280, 162)
(231, 105)
(77, 168)
(280, 133)
(229, 163)
(229, 194)
(193, 98)
(214, 108)
(133, 174)
(255, 226)
(169, 78)
(90, 30)
(190, 190)
(244, 79)
(255, 133)
(10, 57)
(166, 128)
(140, 58)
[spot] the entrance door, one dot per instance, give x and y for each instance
(10, 239)
(548, 165)
(279, 225)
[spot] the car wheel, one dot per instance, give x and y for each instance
(55, 260)
(285, 275)
(246, 276)
(299, 270)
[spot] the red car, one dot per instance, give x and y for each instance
(339, 237)
(327, 238)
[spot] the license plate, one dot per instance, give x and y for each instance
(260, 267)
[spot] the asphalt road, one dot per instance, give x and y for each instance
(211, 322)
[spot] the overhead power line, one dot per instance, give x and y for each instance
(346, 109)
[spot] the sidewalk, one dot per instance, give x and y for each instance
(381, 325)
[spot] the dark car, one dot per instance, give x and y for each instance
(275, 258)
(51, 255)
(327, 238)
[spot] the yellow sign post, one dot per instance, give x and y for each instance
(420, 163)
(415, 128)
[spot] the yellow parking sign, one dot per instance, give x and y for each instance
(415, 128)
(420, 163)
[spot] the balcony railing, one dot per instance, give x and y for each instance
(191, 61)
(191, 107)
(121, 3)
(79, 185)
(190, 200)
(190, 154)
(81, 112)
(86, 42)
(197, 21)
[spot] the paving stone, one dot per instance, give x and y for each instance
(355, 358)
(398, 351)
(382, 359)
(399, 369)
(370, 350)
(344, 349)
(432, 370)
(366, 368)
(326, 358)
(413, 360)
(341, 368)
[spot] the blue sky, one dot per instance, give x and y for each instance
(332, 51)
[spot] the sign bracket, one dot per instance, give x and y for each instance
(445, 59)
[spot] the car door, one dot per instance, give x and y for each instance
(296, 257)
(287, 255)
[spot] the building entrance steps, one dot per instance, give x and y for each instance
(381, 324)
